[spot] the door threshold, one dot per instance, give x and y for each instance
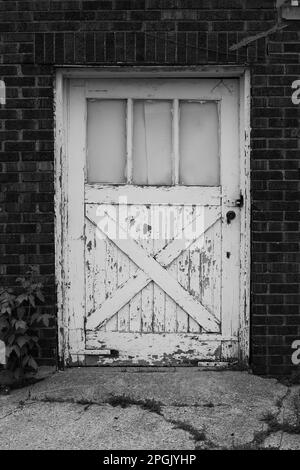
(219, 365)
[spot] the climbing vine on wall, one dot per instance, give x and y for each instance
(19, 315)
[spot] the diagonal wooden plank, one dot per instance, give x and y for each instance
(158, 274)
(139, 281)
(112, 305)
(185, 238)
(109, 308)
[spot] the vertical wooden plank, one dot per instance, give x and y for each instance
(175, 141)
(206, 261)
(171, 310)
(171, 306)
(136, 303)
(230, 275)
(60, 198)
(90, 278)
(230, 181)
(194, 267)
(158, 243)
(147, 308)
(99, 270)
(135, 307)
(210, 267)
(74, 253)
(111, 280)
(183, 271)
(123, 270)
(158, 309)
(245, 246)
(129, 136)
(147, 292)
(123, 274)
(183, 278)
(216, 272)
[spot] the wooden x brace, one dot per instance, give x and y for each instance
(152, 269)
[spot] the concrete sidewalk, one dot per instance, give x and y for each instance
(140, 408)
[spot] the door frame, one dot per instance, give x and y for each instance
(62, 272)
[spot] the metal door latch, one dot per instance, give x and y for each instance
(230, 216)
(240, 202)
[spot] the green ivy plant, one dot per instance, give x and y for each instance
(19, 317)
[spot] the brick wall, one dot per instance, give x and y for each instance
(37, 35)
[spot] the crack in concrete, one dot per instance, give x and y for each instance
(155, 407)
(196, 435)
(19, 407)
(280, 404)
(260, 438)
(283, 427)
(10, 413)
(128, 401)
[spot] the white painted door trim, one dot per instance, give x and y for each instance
(64, 228)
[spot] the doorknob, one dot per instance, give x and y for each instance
(230, 216)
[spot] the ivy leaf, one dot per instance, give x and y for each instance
(21, 298)
(20, 324)
(34, 317)
(17, 350)
(39, 317)
(25, 360)
(3, 323)
(32, 363)
(6, 309)
(40, 296)
(45, 318)
(21, 312)
(31, 300)
(17, 314)
(21, 341)
(11, 339)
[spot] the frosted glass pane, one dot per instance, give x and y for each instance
(152, 142)
(199, 162)
(106, 141)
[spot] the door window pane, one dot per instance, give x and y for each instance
(106, 141)
(199, 162)
(152, 142)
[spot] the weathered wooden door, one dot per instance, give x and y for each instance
(153, 220)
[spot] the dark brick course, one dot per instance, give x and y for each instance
(35, 36)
